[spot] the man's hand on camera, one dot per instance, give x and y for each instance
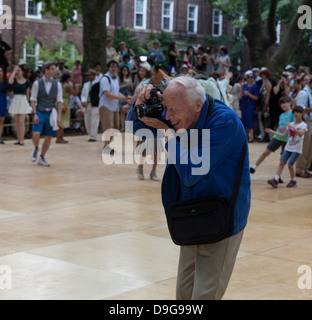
(144, 93)
(154, 122)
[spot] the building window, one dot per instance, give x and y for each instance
(167, 16)
(107, 18)
(192, 17)
(31, 53)
(238, 31)
(278, 32)
(140, 14)
(217, 21)
(33, 10)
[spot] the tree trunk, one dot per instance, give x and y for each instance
(261, 38)
(94, 32)
(283, 54)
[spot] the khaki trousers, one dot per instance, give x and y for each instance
(109, 119)
(204, 270)
(304, 161)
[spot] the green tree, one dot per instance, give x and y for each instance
(94, 25)
(259, 28)
(125, 34)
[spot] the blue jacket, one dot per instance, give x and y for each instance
(227, 138)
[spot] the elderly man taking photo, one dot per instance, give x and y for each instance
(205, 265)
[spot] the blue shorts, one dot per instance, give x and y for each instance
(292, 156)
(44, 122)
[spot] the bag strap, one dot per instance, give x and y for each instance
(109, 80)
(210, 107)
(239, 176)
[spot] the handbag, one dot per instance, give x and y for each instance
(203, 220)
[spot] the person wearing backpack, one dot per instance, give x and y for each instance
(91, 115)
(109, 95)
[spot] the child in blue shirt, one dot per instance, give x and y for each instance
(277, 141)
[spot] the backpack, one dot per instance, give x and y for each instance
(95, 92)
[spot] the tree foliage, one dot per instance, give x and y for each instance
(64, 9)
(260, 18)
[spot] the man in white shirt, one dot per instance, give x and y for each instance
(91, 114)
(109, 96)
(304, 100)
(46, 94)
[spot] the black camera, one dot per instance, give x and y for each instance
(152, 108)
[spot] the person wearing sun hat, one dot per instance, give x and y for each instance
(184, 70)
(124, 51)
(152, 147)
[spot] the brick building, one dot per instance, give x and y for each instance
(27, 21)
(188, 21)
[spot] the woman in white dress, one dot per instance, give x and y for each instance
(19, 106)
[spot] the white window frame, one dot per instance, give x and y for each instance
(171, 3)
(107, 18)
(278, 31)
(219, 23)
(195, 20)
(36, 55)
(238, 32)
(30, 16)
(144, 14)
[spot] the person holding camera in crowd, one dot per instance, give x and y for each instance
(146, 147)
(204, 269)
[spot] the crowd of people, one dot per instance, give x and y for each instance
(259, 100)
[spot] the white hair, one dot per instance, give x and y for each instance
(189, 88)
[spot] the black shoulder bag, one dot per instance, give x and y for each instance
(206, 219)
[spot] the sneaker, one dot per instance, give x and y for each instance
(108, 150)
(292, 184)
(280, 180)
(34, 154)
(2, 142)
(252, 170)
(303, 174)
(273, 183)
(140, 173)
(42, 162)
(153, 176)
